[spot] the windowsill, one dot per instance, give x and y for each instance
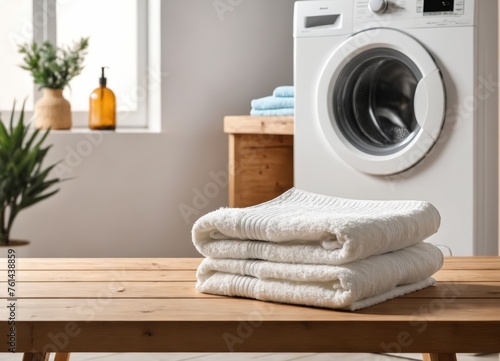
(117, 131)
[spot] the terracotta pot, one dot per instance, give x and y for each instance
(15, 249)
(15, 243)
(52, 110)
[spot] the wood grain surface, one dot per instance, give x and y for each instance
(151, 305)
(246, 124)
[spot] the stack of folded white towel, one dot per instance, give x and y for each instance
(309, 249)
(280, 104)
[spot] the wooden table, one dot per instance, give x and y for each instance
(260, 158)
(151, 305)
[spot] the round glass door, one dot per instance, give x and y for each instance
(373, 100)
(381, 101)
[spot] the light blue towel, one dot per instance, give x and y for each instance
(283, 112)
(284, 91)
(272, 102)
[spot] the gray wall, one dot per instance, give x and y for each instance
(125, 198)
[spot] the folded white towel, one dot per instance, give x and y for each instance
(303, 227)
(352, 286)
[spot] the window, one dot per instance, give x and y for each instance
(16, 26)
(118, 40)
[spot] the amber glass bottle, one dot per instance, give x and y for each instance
(102, 107)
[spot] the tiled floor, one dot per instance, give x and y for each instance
(244, 357)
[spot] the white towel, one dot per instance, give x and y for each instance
(303, 227)
(352, 286)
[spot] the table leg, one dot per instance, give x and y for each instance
(38, 356)
(62, 356)
(440, 357)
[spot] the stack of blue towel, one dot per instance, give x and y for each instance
(280, 104)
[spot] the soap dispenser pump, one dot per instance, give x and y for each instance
(102, 106)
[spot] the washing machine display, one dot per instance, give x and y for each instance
(440, 7)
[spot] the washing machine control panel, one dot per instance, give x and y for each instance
(414, 13)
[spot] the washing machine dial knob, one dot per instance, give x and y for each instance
(378, 6)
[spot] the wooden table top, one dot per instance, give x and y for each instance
(137, 305)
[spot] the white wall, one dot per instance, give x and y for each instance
(125, 198)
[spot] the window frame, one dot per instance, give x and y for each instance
(44, 21)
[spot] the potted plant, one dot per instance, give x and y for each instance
(24, 181)
(52, 69)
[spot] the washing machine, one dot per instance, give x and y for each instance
(397, 99)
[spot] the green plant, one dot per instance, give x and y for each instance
(23, 179)
(53, 67)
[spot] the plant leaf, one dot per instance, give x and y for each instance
(4, 136)
(31, 201)
(11, 122)
(23, 176)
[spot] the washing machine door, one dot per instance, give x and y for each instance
(381, 101)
